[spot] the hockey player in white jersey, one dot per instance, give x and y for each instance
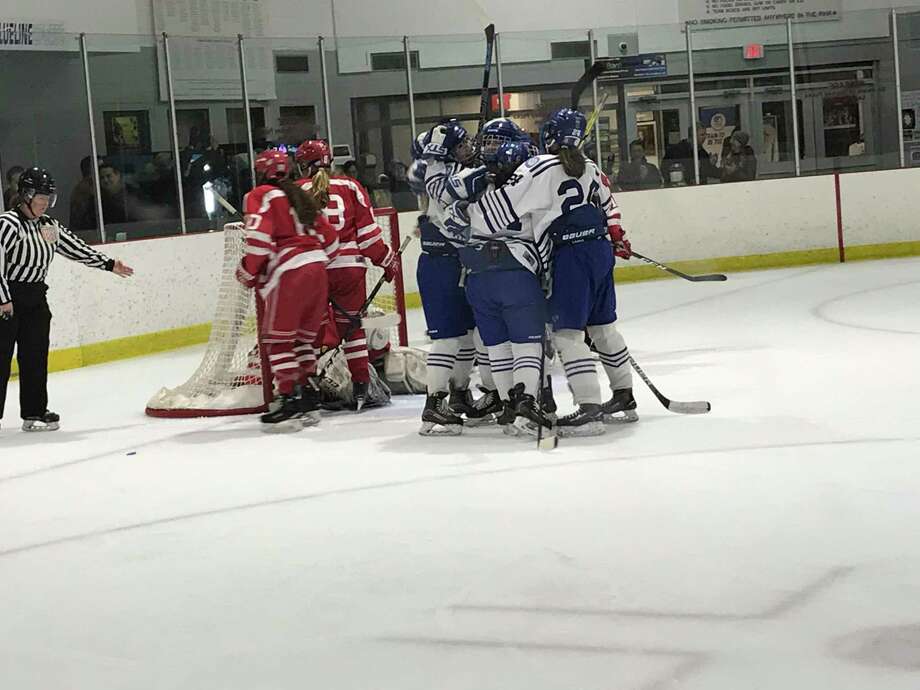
(505, 264)
(559, 201)
(446, 149)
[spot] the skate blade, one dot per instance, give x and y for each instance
(589, 429)
(432, 429)
(624, 417)
(35, 427)
(488, 420)
(288, 426)
(528, 427)
(310, 418)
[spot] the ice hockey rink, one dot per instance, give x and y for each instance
(772, 544)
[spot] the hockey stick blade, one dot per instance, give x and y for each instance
(705, 278)
(695, 407)
(584, 80)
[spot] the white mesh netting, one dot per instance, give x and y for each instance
(229, 379)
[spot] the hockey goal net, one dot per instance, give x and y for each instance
(233, 377)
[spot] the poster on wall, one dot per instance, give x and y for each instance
(720, 14)
(910, 114)
(203, 49)
(127, 131)
(720, 122)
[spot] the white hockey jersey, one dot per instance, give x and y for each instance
(521, 211)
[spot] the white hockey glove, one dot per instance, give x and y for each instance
(468, 184)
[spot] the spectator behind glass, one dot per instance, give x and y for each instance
(381, 195)
(740, 163)
(678, 160)
(161, 189)
(119, 203)
(638, 173)
(350, 169)
(83, 198)
(210, 165)
(12, 185)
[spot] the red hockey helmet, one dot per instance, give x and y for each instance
(314, 152)
(272, 164)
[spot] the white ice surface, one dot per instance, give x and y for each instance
(773, 544)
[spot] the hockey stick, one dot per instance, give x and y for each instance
(551, 440)
(696, 407)
(407, 240)
(486, 74)
(208, 187)
(584, 80)
(368, 322)
(592, 120)
(706, 278)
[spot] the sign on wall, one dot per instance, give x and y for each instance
(25, 34)
(721, 14)
(203, 50)
(910, 124)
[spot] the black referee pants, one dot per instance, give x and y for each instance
(29, 331)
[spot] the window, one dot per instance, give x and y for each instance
(292, 63)
(570, 49)
(388, 61)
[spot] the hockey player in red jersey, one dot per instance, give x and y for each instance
(347, 207)
(288, 243)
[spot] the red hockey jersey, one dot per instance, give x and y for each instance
(276, 240)
(350, 213)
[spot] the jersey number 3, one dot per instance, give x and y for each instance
(335, 212)
(574, 194)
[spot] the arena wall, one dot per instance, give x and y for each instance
(735, 227)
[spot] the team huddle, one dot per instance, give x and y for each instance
(518, 249)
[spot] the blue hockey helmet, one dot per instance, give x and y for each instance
(565, 128)
(496, 132)
(418, 144)
(511, 155)
(449, 141)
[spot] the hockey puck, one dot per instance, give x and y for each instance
(133, 452)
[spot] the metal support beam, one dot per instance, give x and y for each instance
(327, 109)
(84, 54)
(248, 115)
(693, 116)
(897, 84)
(409, 84)
(795, 103)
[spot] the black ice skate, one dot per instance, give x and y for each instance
(359, 393)
(310, 403)
(437, 419)
(286, 418)
(587, 420)
(529, 415)
(621, 402)
(477, 412)
(48, 421)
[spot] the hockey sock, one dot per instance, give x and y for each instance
(579, 366)
(614, 354)
(527, 366)
(502, 364)
(283, 362)
(482, 361)
(463, 366)
(441, 358)
(306, 358)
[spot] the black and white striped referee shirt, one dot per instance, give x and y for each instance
(25, 254)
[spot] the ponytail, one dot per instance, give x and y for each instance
(320, 187)
(303, 204)
(573, 161)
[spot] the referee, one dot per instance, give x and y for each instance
(28, 242)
